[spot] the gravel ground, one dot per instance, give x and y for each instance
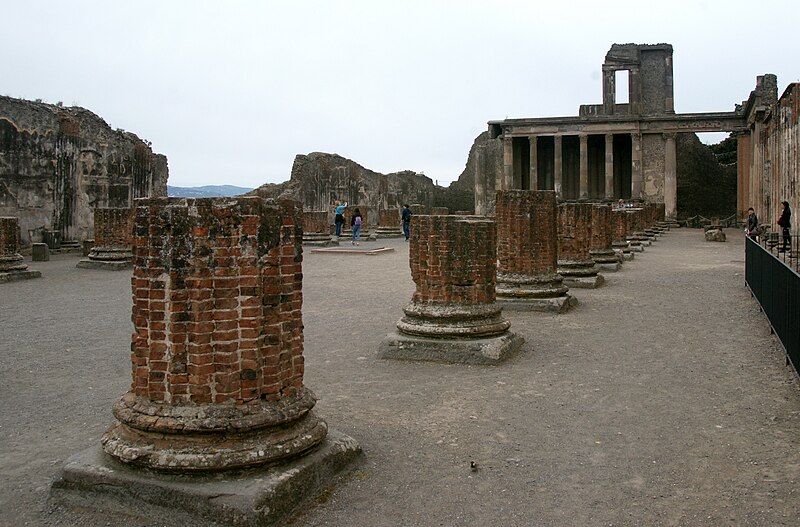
(661, 400)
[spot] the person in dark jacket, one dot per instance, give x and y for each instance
(785, 222)
(406, 216)
(752, 223)
(355, 223)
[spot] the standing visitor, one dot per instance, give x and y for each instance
(752, 223)
(406, 221)
(339, 219)
(785, 222)
(355, 223)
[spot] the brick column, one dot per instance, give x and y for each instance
(439, 211)
(217, 348)
(453, 315)
(574, 238)
(527, 252)
(12, 264)
(389, 224)
(619, 234)
(631, 231)
(113, 240)
(316, 221)
(600, 248)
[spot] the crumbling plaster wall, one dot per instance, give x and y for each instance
(58, 164)
(653, 168)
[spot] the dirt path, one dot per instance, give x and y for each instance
(661, 400)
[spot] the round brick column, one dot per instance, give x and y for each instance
(217, 348)
(389, 223)
(11, 260)
(600, 249)
(619, 236)
(453, 264)
(527, 249)
(113, 236)
(574, 240)
(453, 315)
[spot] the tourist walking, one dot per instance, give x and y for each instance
(752, 223)
(406, 221)
(785, 222)
(339, 219)
(355, 224)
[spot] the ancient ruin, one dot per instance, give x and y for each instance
(610, 150)
(57, 164)
(600, 248)
(217, 362)
(768, 151)
(389, 224)
(12, 264)
(113, 240)
(453, 315)
(574, 239)
(527, 252)
(619, 234)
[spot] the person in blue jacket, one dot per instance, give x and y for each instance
(406, 216)
(339, 219)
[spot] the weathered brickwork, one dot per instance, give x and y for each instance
(601, 228)
(527, 252)
(619, 225)
(218, 332)
(526, 228)
(365, 216)
(453, 315)
(316, 221)
(439, 211)
(389, 218)
(574, 231)
(453, 260)
(12, 264)
(113, 227)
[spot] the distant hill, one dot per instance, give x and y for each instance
(207, 191)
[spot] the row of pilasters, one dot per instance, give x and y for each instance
(515, 179)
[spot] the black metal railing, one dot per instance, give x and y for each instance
(774, 280)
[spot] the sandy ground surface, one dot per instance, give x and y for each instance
(661, 400)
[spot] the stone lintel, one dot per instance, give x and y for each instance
(265, 496)
(491, 350)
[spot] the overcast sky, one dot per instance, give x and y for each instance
(231, 91)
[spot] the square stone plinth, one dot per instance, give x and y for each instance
(560, 304)
(584, 282)
(609, 267)
(264, 496)
(13, 276)
(492, 350)
(105, 265)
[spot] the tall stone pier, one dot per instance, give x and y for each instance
(113, 240)
(574, 239)
(317, 228)
(12, 263)
(453, 315)
(527, 252)
(600, 248)
(217, 366)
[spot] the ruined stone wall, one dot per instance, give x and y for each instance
(774, 172)
(653, 167)
(58, 164)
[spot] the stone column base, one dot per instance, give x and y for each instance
(626, 256)
(585, 282)
(491, 350)
(13, 276)
(609, 267)
(265, 496)
(559, 304)
(106, 265)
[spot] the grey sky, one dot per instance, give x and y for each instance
(232, 91)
